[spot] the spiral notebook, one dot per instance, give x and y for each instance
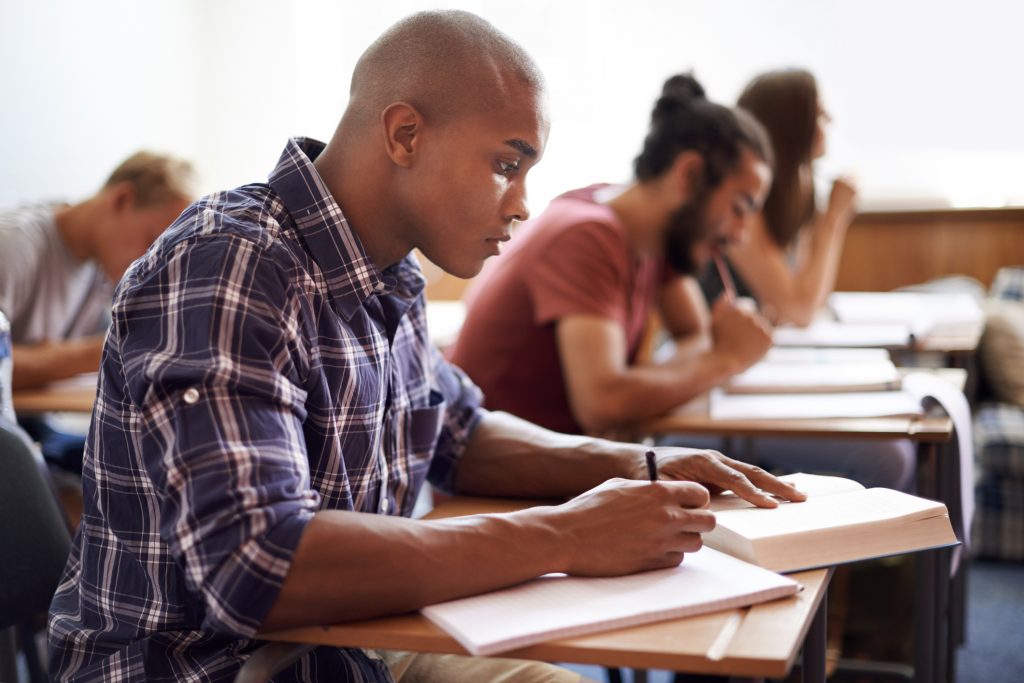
(558, 606)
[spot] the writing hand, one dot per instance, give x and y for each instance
(625, 526)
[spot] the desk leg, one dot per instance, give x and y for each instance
(813, 664)
(934, 634)
(924, 617)
(926, 584)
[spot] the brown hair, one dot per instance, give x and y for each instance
(786, 104)
(156, 178)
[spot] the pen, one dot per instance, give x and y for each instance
(723, 273)
(652, 465)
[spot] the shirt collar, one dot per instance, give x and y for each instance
(351, 276)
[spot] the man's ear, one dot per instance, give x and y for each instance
(402, 125)
(120, 196)
(688, 174)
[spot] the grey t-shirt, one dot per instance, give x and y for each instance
(45, 290)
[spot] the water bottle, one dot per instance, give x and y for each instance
(6, 405)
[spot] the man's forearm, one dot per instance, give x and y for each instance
(352, 566)
(37, 364)
(508, 456)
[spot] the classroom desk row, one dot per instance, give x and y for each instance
(940, 583)
(762, 641)
(769, 637)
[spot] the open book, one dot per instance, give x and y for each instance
(928, 313)
(822, 332)
(809, 406)
(558, 606)
(840, 521)
(796, 374)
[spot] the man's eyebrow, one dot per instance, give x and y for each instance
(523, 146)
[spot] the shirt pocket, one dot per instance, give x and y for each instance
(422, 429)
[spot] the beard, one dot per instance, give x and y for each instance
(687, 227)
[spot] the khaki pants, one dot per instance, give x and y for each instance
(414, 667)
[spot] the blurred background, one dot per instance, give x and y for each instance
(924, 95)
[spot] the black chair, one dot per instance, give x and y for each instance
(34, 545)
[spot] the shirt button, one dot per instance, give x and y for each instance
(385, 505)
(191, 395)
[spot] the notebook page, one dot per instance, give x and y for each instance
(814, 485)
(823, 355)
(557, 606)
(830, 333)
(841, 509)
(811, 406)
(770, 374)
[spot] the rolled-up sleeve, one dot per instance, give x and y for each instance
(464, 412)
(216, 376)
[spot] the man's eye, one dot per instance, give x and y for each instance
(507, 168)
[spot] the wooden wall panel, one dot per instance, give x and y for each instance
(893, 249)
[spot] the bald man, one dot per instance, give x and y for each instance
(270, 405)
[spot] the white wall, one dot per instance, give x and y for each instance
(925, 95)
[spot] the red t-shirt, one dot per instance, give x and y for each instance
(572, 259)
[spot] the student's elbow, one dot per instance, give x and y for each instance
(801, 316)
(796, 311)
(600, 412)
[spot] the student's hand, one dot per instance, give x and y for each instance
(625, 526)
(740, 335)
(842, 203)
(719, 473)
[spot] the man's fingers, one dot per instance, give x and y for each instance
(687, 493)
(734, 480)
(768, 482)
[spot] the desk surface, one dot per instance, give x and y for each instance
(762, 640)
(921, 429)
(72, 399)
(694, 419)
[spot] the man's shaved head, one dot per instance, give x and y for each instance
(441, 63)
(446, 117)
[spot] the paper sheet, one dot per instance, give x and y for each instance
(557, 606)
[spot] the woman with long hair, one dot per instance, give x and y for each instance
(790, 253)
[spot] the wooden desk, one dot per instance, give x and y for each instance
(939, 592)
(59, 398)
(766, 642)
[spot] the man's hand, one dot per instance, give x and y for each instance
(718, 473)
(625, 526)
(740, 335)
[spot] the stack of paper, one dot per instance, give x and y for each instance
(927, 313)
(831, 333)
(725, 406)
(559, 606)
(797, 374)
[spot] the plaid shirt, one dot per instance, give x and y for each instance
(259, 368)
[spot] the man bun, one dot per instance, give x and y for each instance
(679, 92)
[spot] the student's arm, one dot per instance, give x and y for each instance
(34, 365)
(796, 295)
(686, 317)
(617, 527)
(605, 392)
(510, 457)
(352, 566)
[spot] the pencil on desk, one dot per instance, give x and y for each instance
(727, 283)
